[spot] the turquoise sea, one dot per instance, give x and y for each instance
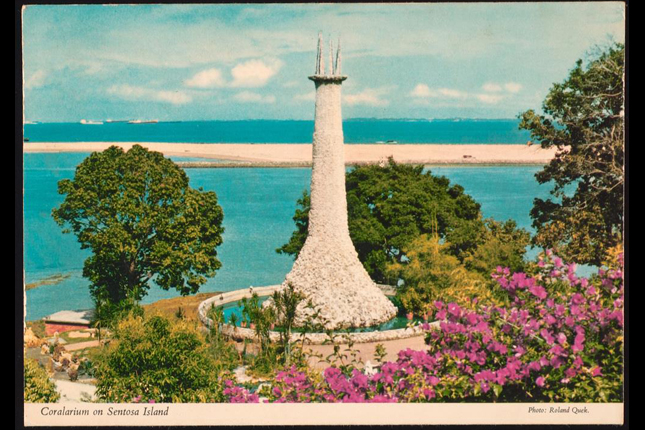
(356, 131)
(258, 205)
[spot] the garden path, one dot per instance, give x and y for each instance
(74, 392)
(365, 351)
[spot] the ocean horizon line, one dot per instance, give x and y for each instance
(366, 119)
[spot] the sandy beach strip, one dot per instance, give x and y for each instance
(300, 154)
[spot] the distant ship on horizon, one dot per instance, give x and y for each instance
(141, 121)
(90, 122)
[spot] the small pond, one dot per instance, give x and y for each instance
(398, 322)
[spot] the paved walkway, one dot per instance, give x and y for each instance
(74, 392)
(81, 345)
(365, 351)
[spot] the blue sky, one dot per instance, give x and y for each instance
(203, 62)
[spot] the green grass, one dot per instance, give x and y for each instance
(70, 340)
(169, 307)
(38, 327)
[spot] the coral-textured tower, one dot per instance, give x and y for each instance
(327, 270)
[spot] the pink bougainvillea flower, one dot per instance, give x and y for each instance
(428, 393)
(556, 362)
(547, 336)
(454, 309)
(559, 310)
(577, 362)
(562, 338)
(538, 291)
(534, 366)
(577, 299)
(549, 319)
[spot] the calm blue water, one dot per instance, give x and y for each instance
(502, 131)
(258, 205)
(399, 321)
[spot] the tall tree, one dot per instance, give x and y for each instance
(142, 221)
(583, 118)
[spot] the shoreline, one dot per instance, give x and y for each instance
(300, 155)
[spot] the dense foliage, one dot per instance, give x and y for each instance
(390, 206)
(431, 273)
(142, 221)
(38, 387)
(583, 118)
(156, 360)
(560, 338)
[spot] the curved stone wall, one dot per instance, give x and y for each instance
(240, 333)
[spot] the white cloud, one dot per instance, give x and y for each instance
(129, 92)
(490, 98)
(174, 97)
(249, 74)
(210, 78)
(513, 87)
(493, 93)
(254, 73)
(491, 87)
(422, 91)
(251, 97)
(369, 96)
(452, 93)
(37, 79)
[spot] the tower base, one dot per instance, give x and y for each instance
(330, 275)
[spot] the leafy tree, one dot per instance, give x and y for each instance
(497, 244)
(301, 218)
(38, 387)
(431, 273)
(389, 207)
(583, 118)
(155, 359)
(137, 214)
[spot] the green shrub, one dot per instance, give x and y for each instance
(150, 359)
(38, 387)
(431, 274)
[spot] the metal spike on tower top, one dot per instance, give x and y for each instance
(337, 70)
(331, 57)
(319, 57)
(332, 73)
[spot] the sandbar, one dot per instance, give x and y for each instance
(290, 154)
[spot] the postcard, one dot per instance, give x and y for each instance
(323, 214)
